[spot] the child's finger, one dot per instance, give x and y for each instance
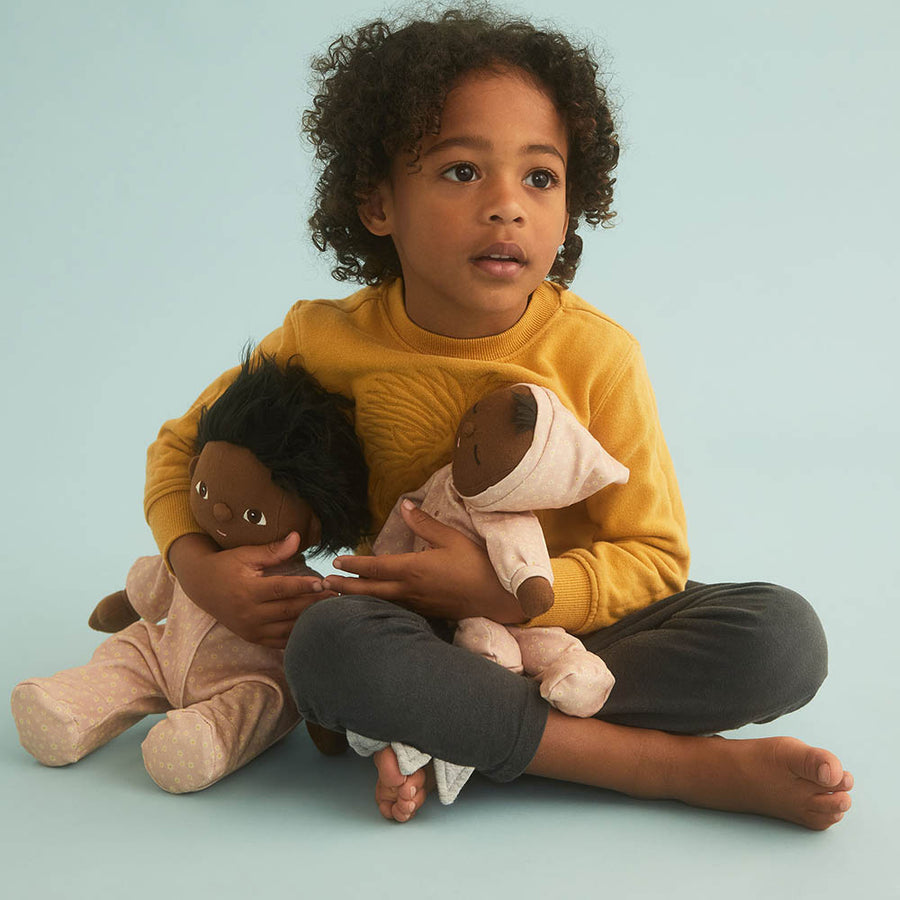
(266, 555)
(370, 587)
(275, 635)
(426, 527)
(268, 609)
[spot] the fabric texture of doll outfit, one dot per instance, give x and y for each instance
(564, 465)
(226, 699)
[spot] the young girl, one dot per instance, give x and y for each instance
(460, 156)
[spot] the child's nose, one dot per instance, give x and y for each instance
(222, 512)
(503, 205)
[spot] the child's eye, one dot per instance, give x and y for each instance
(200, 488)
(461, 172)
(541, 179)
(254, 517)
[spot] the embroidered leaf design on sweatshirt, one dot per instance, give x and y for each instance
(408, 420)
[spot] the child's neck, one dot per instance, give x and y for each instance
(473, 324)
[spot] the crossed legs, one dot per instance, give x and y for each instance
(708, 659)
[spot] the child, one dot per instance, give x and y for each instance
(459, 157)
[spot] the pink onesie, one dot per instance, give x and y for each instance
(564, 465)
(226, 699)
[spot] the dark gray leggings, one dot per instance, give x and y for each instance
(708, 659)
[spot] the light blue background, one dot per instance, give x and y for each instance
(154, 200)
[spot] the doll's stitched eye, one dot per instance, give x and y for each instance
(201, 489)
(254, 517)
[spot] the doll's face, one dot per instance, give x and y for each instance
(488, 447)
(234, 499)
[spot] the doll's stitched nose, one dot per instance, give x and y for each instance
(222, 512)
(467, 429)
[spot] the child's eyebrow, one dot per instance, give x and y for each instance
(472, 142)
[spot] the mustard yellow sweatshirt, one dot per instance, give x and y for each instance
(614, 553)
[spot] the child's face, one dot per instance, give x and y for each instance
(491, 184)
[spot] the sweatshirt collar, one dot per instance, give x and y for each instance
(543, 304)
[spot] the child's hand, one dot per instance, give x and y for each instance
(232, 587)
(454, 579)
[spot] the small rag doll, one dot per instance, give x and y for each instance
(275, 453)
(517, 450)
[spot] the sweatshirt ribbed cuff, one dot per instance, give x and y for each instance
(573, 605)
(170, 518)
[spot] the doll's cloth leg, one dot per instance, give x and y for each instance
(490, 640)
(70, 714)
(194, 747)
(572, 679)
(369, 666)
(712, 658)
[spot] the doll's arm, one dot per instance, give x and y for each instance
(113, 613)
(149, 589)
(518, 553)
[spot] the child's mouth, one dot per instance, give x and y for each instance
(500, 260)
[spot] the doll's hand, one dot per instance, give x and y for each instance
(231, 585)
(453, 579)
(113, 613)
(535, 595)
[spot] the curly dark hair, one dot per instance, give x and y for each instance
(303, 434)
(382, 88)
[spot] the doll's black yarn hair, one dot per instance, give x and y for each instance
(304, 435)
(524, 411)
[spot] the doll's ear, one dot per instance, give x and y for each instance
(375, 210)
(192, 465)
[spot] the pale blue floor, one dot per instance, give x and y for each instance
(297, 821)
(154, 200)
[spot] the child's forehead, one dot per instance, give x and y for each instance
(483, 104)
(500, 83)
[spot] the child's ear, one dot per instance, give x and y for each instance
(374, 211)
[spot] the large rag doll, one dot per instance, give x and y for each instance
(276, 453)
(517, 450)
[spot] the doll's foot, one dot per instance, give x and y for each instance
(490, 640)
(400, 797)
(185, 752)
(577, 685)
(48, 729)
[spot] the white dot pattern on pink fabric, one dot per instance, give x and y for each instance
(238, 700)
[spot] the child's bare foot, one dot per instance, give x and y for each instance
(399, 797)
(779, 777)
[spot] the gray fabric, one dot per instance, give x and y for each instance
(449, 777)
(711, 658)
(369, 666)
